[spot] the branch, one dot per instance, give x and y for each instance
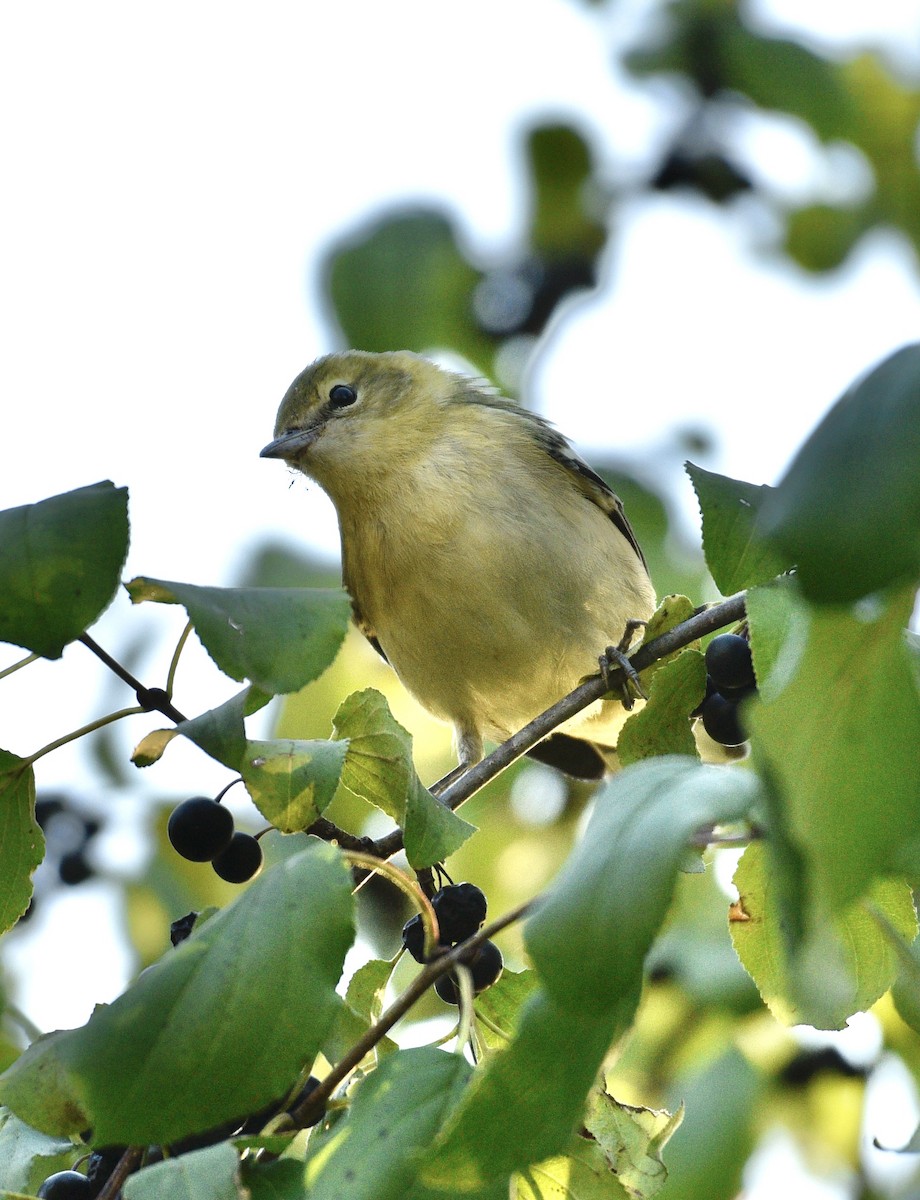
(304, 1113)
(715, 617)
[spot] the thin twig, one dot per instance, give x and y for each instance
(156, 700)
(697, 626)
(312, 1105)
(123, 1168)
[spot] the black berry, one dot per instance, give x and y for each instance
(73, 868)
(729, 662)
(413, 937)
(721, 721)
(151, 698)
(241, 861)
(66, 1185)
(200, 828)
(485, 965)
(182, 927)
(460, 909)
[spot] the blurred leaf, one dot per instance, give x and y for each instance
(591, 932)
(246, 999)
(292, 783)
(209, 1174)
(376, 1151)
(28, 1157)
(820, 236)
(662, 726)
(706, 1155)
(404, 284)
(378, 766)
(62, 559)
(905, 991)
(836, 726)
(561, 169)
(736, 554)
(862, 966)
(21, 842)
(848, 509)
(279, 638)
(631, 1139)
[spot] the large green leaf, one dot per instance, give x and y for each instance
(22, 846)
(378, 767)
(526, 1103)
(589, 937)
(374, 1153)
(848, 509)
(837, 728)
(859, 965)
(582, 1173)
(737, 554)
(62, 559)
(247, 1001)
(209, 1174)
(279, 638)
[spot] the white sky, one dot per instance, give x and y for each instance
(170, 173)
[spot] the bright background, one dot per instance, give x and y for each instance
(173, 172)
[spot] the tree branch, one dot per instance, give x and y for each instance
(714, 617)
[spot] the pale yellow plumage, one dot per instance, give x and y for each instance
(485, 560)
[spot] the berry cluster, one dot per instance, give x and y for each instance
(461, 910)
(201, 830)
(729, 680)
(68, 833)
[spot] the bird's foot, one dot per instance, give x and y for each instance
(614, 659)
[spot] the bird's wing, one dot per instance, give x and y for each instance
(366, 629)
(590, 483)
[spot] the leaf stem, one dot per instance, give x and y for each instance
(174, 661)
(23, 662)
(82, 731)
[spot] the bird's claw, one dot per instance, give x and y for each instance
(614, 659)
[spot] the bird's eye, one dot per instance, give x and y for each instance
(342, 395)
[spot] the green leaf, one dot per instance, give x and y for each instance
(405, 282)
(737, 554)
(292, 783)
(662, 726)
(279, 638)
(375, 1152)
(62, 559)
(848, 509)
(905, 991)
(631, 1140)
(28, 1157)
(501, 1005)
(582, 1173)
(858, 964)
(248, 999)
(378, 767)
(23, 846)
(589, 936)
(724, 1105)
(209, 1174)
(526, 1103)
(837, 727)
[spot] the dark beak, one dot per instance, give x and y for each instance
(290, 444)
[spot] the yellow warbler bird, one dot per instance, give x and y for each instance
(485, 561)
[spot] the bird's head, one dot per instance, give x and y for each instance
(356, 412)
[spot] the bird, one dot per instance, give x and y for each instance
(485, 560)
